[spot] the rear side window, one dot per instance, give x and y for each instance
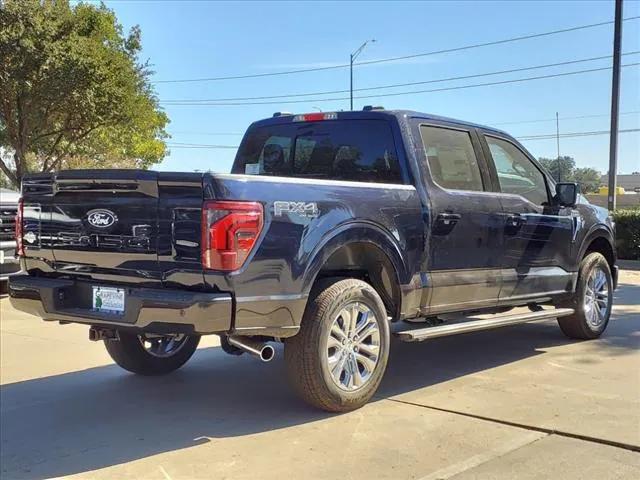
(452, 159)
(355, 150)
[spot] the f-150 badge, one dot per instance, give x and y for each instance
(303, 209)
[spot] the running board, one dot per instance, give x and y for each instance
(420, 334)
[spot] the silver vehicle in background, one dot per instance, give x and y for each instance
(9, 263)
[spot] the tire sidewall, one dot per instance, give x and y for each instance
(597, 261)
(129, 353)
(367, 296)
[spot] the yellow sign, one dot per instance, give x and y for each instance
(605, 191)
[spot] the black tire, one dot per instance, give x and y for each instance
(305, 353)
(578, 325)
(129, 353)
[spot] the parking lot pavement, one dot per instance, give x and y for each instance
(521, 402)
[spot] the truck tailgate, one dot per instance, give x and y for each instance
(115, 224)
(105, 221)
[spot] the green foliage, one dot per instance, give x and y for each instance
(73, 93)
(628, 233)
(565, 170)
(562, 168)
(588, 178)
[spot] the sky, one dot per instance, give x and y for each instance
(202, 39)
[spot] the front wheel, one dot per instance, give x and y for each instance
(151, 354)
(337, 360)
(591, 301)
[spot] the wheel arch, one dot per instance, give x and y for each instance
(600, 240)
(361, 251)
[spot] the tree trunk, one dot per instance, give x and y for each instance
(10, 175)
(18, 159)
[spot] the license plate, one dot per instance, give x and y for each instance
(108, 300)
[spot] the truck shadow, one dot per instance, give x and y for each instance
(86, 420)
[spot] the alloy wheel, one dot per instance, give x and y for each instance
(353, 346)
(596, 298)
(162, 345)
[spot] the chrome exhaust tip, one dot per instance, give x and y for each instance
(262, 350)
(267, 353)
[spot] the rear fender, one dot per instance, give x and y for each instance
(355, 233)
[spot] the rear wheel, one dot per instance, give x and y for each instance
(151, 354)
(338, 358)
(592, 300)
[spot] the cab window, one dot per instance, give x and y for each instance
(517, 174)
(353, 150)
(452, 160)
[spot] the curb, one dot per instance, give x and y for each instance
(629, 264)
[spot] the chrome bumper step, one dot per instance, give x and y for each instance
(421, 334)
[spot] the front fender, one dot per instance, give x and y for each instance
(597, 231)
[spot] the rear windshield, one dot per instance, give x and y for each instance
(356, 150)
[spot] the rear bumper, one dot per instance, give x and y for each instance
(146, 309)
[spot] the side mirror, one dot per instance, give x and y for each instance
(567, 194)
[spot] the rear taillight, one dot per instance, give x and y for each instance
(19, 229)
(230, 230)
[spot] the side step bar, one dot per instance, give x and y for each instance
(420, 334)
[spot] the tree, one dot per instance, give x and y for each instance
(588, 178)
(72, 90)
(564, 166)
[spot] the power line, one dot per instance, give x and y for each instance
(197, 145)
(414, 92)
(574, 134)
(519, 122)
(548, 136)
(205, 133)
(379, 87)
(393, 59)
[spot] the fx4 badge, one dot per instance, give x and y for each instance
(303, 209)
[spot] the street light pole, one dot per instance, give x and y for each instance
(352, 59)
(615, 102)
(351, 82)
(558, 146)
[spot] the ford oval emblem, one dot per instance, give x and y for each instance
(101, 218)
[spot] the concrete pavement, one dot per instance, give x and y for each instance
(482, 405)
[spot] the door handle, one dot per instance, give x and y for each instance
(516, 220)
(448, 218)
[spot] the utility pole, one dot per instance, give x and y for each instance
(615, 103)
(351, 82)
(352, 59)
(558, 145)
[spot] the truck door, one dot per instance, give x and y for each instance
(537, 236)
(464, 228)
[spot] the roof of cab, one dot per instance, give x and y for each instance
(377, 113)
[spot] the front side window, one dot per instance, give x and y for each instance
(516, 173)
(452, 160)
(354, 150)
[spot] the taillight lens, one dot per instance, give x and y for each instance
(230, 230)
(19, 229)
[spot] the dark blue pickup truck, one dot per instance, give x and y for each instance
(331, 228)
